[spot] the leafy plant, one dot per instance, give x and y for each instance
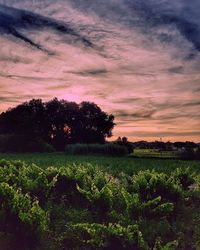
(111, 236)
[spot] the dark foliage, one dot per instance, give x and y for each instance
(187, 154)
(96, 149)
(125, 143)
(56, 122)
(165, 146)
(197, 154)
(23, 143)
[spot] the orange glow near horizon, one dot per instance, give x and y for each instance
(148, 77)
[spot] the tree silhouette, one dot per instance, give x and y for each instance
(124, 142)
(96, 125)
(58, 122)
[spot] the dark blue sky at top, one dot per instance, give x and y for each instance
(144, 15)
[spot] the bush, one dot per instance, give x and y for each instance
(108, 237)
(6, 143)
(21, 217)
(189, 153)
(151, 185)
(40, 146)
(18, 143)
(96, 149)
(197, 154)
(185, 177)
(128, 145)
(186, 154)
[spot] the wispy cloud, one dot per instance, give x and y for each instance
(138, 59)
(12, 20)
(91, 72)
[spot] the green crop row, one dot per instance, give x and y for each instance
(84, 207)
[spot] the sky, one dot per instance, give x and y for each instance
(136, 59)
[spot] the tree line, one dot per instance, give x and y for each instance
(57, 122)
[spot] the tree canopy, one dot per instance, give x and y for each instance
(58, 122)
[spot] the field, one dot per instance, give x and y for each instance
(128, 165)
(155, 153)
(57, 201)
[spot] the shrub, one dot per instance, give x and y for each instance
(22, 217)
(184, 176)
(186, 154)
(108, 237)
(125, 143)
(18, 143)
(150, 185)
(39, 146)
(96, 149)
(197, 154)
(6, 143)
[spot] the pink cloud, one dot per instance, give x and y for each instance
(128, 70)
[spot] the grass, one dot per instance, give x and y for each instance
(128, 165)
(155, 153)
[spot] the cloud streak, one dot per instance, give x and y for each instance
(137, 59)
(12, 19)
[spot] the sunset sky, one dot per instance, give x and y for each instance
(136, 59)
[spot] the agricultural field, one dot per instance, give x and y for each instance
(57, 201)
(128, 165)
(155, 153)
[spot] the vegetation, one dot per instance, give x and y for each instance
(114, 165)
(155, 153)
(96, 149)
(189, 154)
(56, 122)
(125, 143)
(183, 154)
(85, 206)
(90, 197)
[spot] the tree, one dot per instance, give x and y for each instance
(96, 125)
(26, 119)
(124, 142)
(58, 122)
